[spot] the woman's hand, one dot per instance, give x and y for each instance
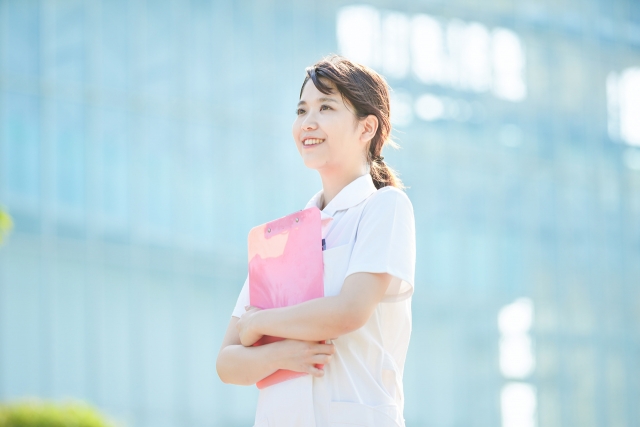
(302, 356)
(246, 327)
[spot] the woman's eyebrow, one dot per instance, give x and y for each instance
(324, 99)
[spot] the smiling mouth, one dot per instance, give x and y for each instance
(312, 141)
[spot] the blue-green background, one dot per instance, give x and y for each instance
(141, 140)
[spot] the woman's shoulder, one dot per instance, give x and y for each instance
(387, 219)
(388, 204)
(387, 197)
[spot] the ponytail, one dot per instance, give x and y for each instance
(383, 175)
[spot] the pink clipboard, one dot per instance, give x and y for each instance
(285, 268)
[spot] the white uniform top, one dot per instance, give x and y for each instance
(371, 231)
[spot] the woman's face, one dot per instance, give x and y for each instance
(327, 132)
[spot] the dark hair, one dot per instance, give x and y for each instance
(368, 93)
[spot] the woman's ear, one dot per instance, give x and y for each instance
(369, 128)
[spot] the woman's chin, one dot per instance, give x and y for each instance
(313, 162)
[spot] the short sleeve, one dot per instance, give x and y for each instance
(243, 300)
(386, 242)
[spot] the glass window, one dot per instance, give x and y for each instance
(69, 149)
(68, 41)
(112, 147)
(114, 44)
(427, 50)
(199, 168)
(508, 65)
(473, 47)
(623, 95)
(22, 318)
(68, 334)
(21, 134)
(157, 59)
(451, 53)
(21, 45)
(358, 32)
(199, 63)
(156, 175)
(518, 402)
(395, 45)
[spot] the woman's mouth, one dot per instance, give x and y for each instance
(312, 141)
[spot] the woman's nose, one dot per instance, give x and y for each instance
(309, 123)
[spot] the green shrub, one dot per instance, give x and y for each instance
(6, 224)
(37, 413)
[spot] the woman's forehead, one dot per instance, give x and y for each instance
(311, 94)
(310, 90)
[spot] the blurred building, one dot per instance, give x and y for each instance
(141, 140)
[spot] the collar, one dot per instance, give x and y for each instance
(352, 194)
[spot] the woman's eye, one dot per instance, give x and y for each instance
(325, 107)
(299, 111)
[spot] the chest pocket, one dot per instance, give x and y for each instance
(336, 262)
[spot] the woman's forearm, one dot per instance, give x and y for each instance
(321, 318)
(242, 365)
(315, 320)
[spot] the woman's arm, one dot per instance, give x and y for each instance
(242, 365)
(321, 318)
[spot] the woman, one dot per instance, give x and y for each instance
(341, 127)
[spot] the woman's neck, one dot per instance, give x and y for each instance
(333, 183)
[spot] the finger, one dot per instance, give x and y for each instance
(321, 359)
(325, 348)
(315, 371)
